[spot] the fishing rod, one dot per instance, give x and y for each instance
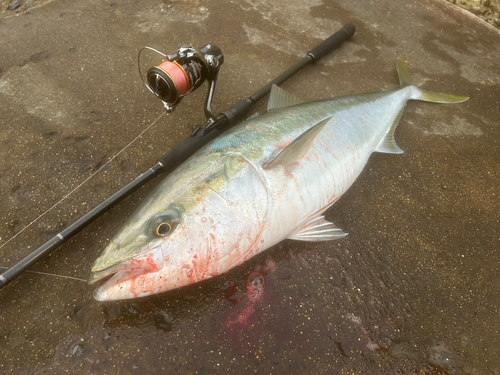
(176, 77)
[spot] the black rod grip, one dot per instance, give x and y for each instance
(312, 56)
(180, 153)
(332, 42)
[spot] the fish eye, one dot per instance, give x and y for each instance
(164, 224)
(163, 229)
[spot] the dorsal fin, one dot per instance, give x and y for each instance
(279, 98)
(296, 150)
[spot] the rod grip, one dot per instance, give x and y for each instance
(185, 149)
(332, 42)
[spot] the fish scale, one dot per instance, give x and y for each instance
(268, 179)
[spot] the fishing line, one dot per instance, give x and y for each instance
(51, 274)
(84, 182)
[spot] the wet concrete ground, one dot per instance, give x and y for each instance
(414, 288)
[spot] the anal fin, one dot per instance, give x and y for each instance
(388, 144)
(318, 229)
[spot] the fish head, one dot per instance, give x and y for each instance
(136, 253)
(187, 230)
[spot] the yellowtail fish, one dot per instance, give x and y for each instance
(265, 180)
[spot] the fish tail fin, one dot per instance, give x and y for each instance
(388, 144)
(418, 93)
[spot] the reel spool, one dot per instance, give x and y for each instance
(181, 74)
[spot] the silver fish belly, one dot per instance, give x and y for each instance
(268, 179)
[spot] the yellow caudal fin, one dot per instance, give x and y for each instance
(419, 94)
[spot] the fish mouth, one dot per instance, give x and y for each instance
(104, 292)
(110, 271)
(151, 261)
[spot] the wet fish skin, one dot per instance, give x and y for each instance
(267, 179)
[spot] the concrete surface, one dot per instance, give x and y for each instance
(413, 289)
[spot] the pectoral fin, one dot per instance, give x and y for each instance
(296, 150)
(318, 229)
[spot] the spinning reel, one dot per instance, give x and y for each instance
(181, 74)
